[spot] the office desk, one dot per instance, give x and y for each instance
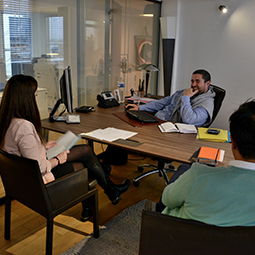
(167, 146)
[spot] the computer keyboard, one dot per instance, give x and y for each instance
(141, 116)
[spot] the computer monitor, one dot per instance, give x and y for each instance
(66, 96)
(66, 89)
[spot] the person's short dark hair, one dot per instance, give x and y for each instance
(205, 74)
(242, 129)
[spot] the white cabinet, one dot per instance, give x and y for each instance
(46, 74)
(42, 102)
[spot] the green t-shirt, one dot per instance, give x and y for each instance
(223, 196)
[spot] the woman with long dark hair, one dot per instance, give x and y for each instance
(21, 134)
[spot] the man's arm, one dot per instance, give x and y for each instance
(197, 116)
(174, 195)
(156, 105)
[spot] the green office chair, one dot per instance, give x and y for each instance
(163, 167)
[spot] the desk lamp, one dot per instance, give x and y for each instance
(147, 68)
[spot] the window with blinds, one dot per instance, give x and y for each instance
(56, 36)
(17, 33)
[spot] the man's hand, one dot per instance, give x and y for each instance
(132, 107)
(190, 92)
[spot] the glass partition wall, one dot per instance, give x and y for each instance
(101, 40)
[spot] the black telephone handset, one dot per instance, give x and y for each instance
(107, 100)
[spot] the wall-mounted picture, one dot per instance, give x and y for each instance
(143, 49)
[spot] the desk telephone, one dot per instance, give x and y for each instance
(107, 100)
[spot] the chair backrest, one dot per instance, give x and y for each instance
(219, 97)
(163, 234)
(22, 181)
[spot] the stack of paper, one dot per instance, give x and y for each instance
(222, 137)
(177, 127)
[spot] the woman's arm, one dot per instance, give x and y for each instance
(59, 159)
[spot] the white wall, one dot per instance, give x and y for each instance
(221, 43)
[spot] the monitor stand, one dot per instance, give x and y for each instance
(57, 118)
(70, 118)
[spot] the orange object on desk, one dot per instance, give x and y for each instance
(210, 154)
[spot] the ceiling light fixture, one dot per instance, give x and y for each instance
(223, 8)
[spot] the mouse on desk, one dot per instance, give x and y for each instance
(128, 108)
(133, 107)
(85, 109)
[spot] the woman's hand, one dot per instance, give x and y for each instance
(61, 159)
(50, 144)
(63, 156)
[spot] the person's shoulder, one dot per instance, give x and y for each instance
(198, 169)
(177, 93)
(211, 90)
(22, 125)
(21, 122)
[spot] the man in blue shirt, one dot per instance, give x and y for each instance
(191, 106)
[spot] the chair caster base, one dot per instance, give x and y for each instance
(136, 183)
(140, 169)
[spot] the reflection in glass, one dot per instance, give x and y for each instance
(101, 40)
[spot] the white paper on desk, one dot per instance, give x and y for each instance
(110, 134)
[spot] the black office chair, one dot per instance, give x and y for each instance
(163, 166)
(164, 234)
(219, 97)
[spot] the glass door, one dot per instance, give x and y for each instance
(134, 40)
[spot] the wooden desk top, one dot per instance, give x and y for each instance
(169, 146)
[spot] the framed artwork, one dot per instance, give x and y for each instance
(143, 49)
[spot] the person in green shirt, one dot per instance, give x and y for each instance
(222, 196)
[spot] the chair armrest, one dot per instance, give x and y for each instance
(68, 188)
